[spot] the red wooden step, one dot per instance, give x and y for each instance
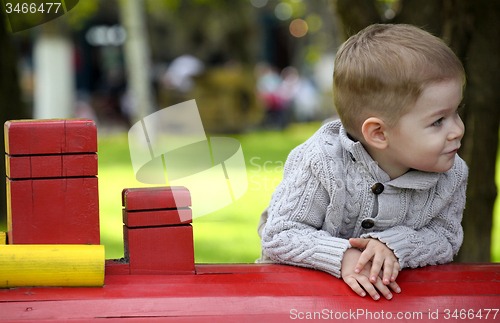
(57, 136)
(44, 166)
(154, 198)
(264, 293)
(53, 211)
(133, 219)
(159, 250)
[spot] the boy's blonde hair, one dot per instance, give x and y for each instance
(382, 70)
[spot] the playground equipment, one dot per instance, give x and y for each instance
(51, 265)
(158, 280)
(51, 168)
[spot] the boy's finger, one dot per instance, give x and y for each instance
(395, 271)
(364, 258)
(395, 287)
(377, 262)
(358, 243)
(388, 272)
(384, 290)
(369, 288)
(353, 283)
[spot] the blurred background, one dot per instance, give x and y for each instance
(260, 71)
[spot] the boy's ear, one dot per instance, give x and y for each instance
(374, 132)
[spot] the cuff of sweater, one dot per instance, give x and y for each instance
(396, 241)
(328, 255)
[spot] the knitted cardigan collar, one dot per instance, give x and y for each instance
(413, 179)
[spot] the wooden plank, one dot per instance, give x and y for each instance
(282, 308)
(309, 282)
(134, 219)
(53, 211)
(51, 265)
(208, 269)
(154, 198)
(160, 250)
(454, 272)
(73, 165)
(56, 136)
(185, 319)
(264, 296)
(261, 296)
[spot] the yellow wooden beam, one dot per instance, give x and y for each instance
(3, 237)
(51, 265)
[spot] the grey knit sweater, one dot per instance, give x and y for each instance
(328, 191)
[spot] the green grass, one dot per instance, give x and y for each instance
(226, 236)
(495, 231)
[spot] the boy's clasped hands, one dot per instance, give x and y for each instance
(374, 268)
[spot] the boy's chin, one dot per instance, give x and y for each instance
(438, 168)
(444, 169)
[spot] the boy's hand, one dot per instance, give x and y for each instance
(360, 281)
(380, 256)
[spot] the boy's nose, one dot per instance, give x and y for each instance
(457, 130)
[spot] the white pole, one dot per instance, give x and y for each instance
(54, 77)
(137, 58)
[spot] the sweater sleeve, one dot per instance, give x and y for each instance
(438, 241)
(293, 233)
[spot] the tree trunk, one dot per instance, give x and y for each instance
(426, 14)
(356, 15)
(482, 95)
(11, 106)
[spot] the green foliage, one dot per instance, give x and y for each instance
(81, 13)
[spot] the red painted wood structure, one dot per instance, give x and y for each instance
(51, 168)
(158, 236)
(158, 280)
(263, 293)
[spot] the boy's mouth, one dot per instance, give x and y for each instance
(454, 151)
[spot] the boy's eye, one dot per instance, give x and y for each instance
(438, 122)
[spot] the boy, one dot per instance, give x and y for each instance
(385, 178)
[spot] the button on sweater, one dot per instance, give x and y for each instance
(328, 191)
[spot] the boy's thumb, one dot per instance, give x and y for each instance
(358, 243)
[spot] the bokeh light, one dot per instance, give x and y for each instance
(258, 3)
(389, 14)
(283, 11)
(298, 28)
(314, 22)
(106, 35)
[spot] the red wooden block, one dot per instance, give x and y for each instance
(53, 211)
(153, 198)
(155, 218)
(18, 167)
(57, 136)
(160, 250)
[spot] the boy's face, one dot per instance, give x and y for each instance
(428, 137)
